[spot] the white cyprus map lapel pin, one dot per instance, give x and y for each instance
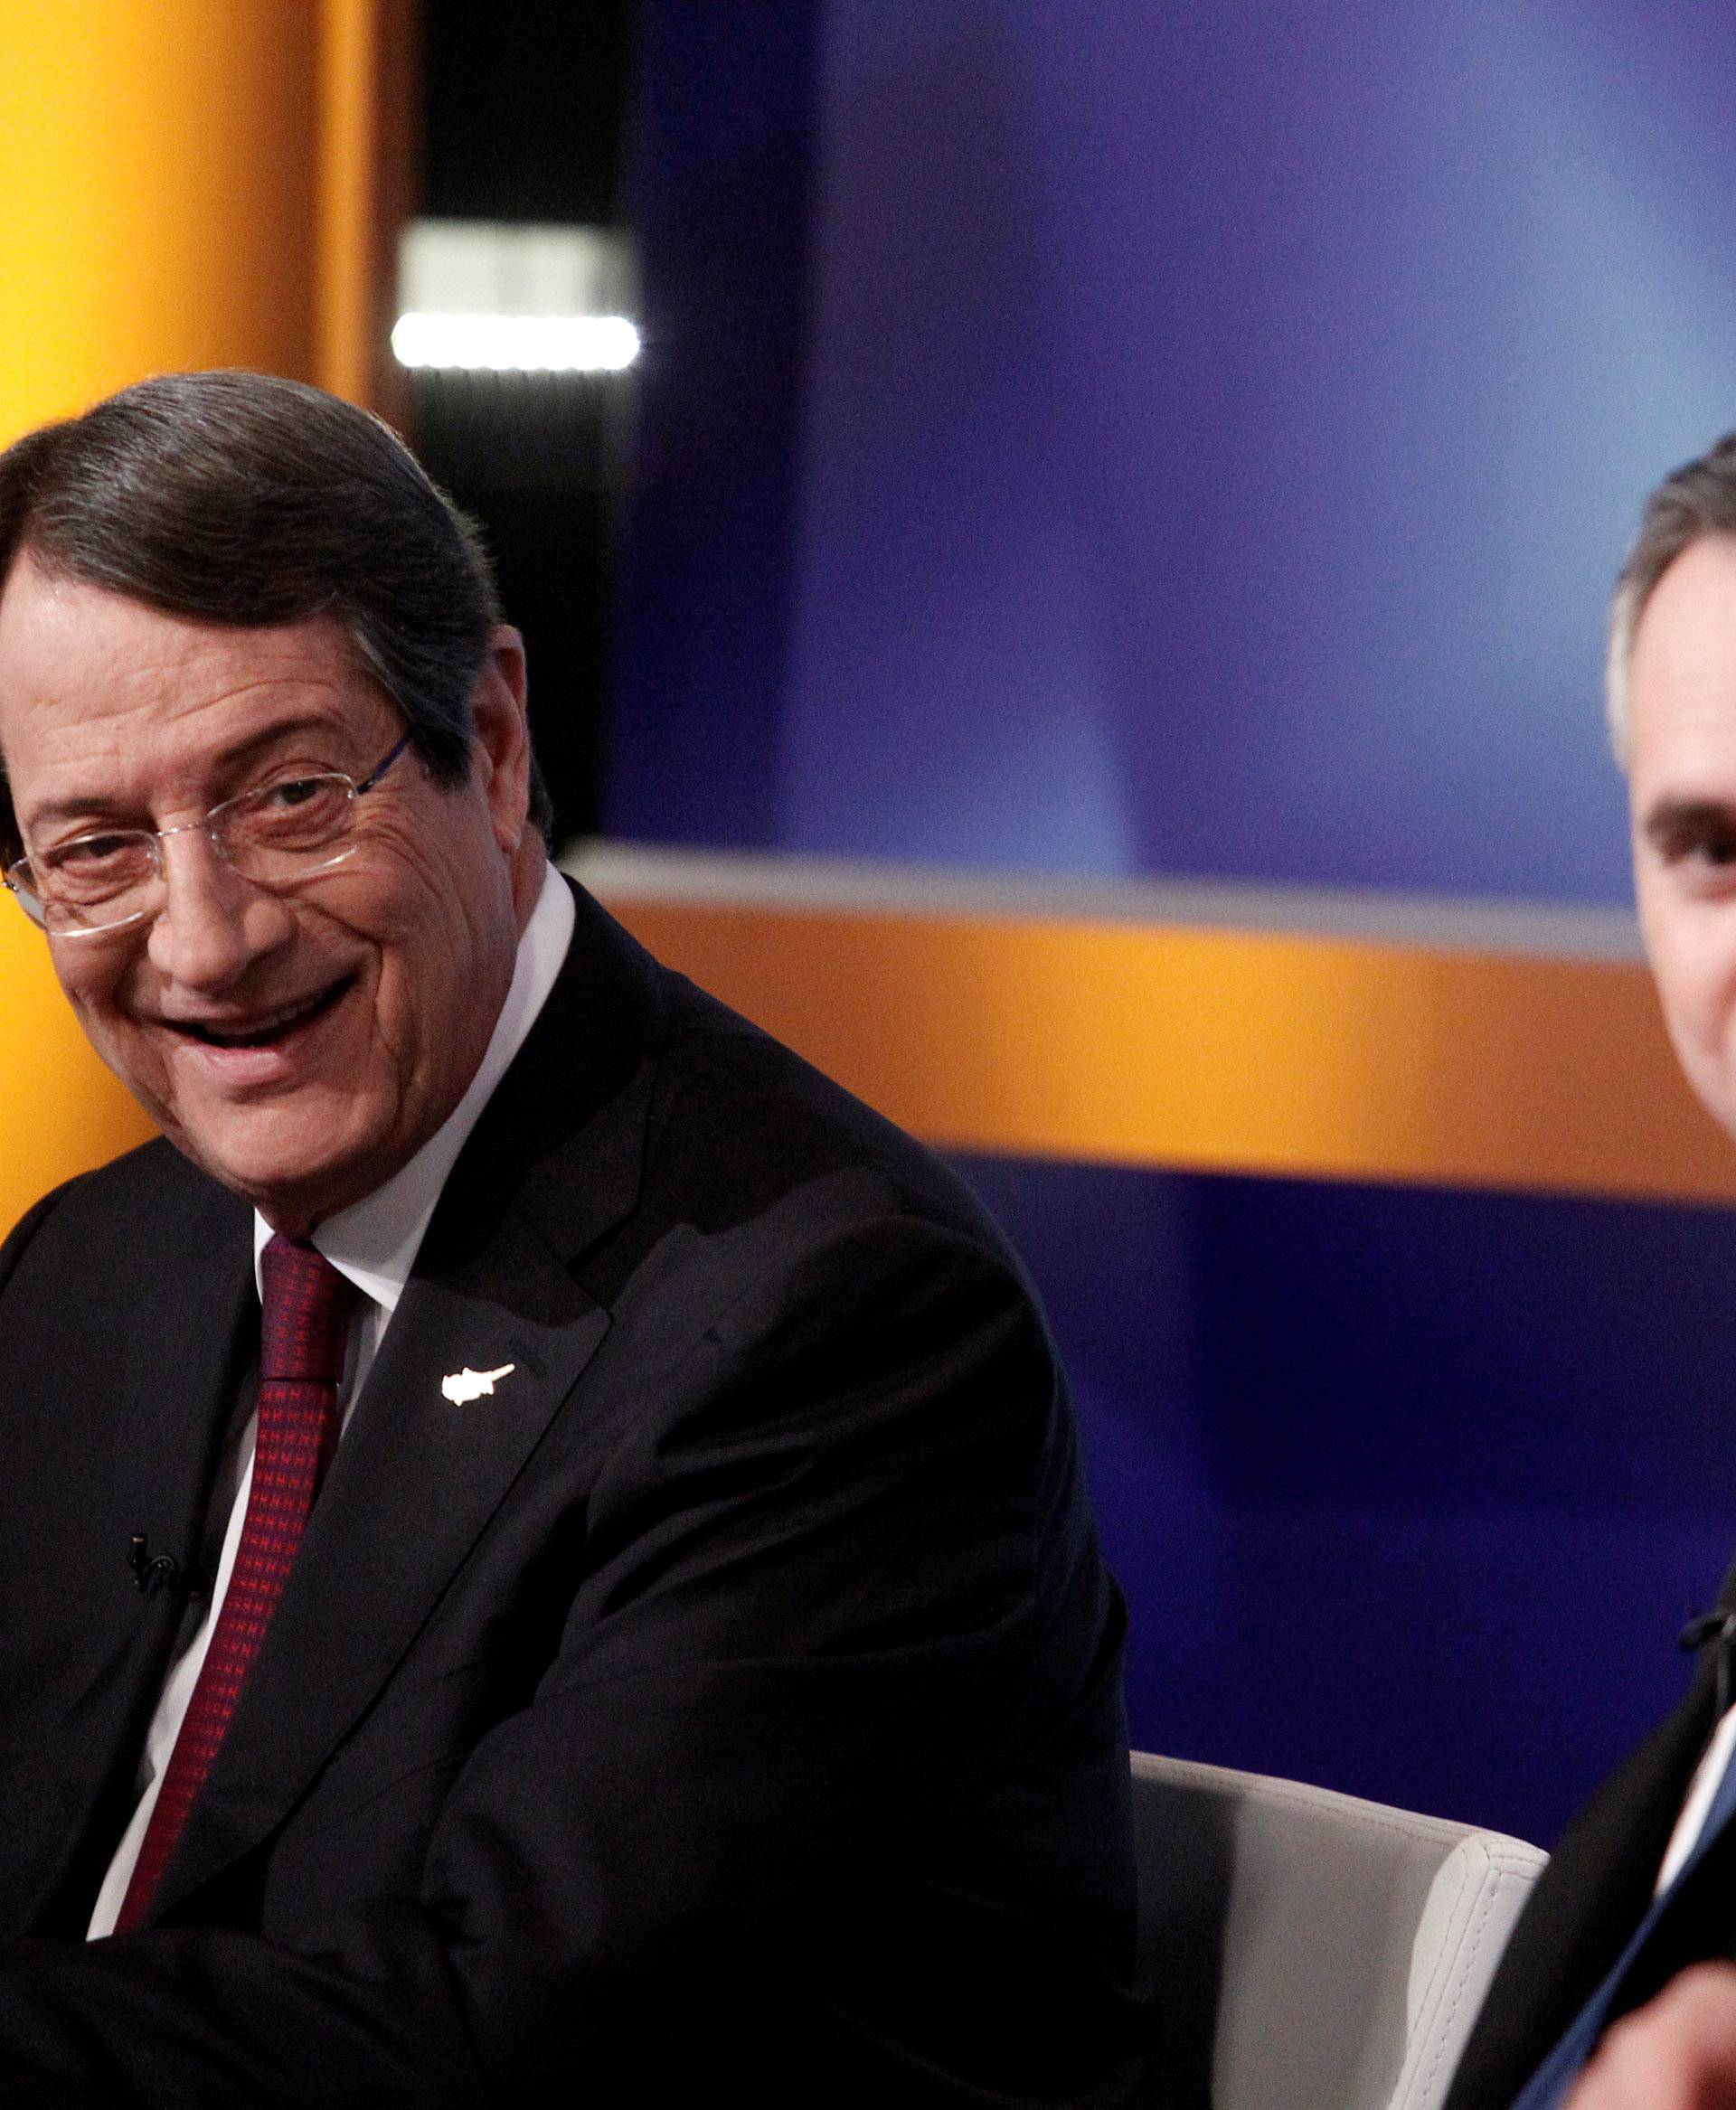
(467, 1384)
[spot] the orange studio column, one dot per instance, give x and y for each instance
(183, 183)
(159, 194)
(367, 186)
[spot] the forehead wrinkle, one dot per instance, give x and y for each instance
(186, 702)
(112, 707)
(225, 759)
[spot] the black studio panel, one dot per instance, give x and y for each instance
(522, 108)
(529, 457)
(524, 104)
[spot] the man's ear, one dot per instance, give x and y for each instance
(501, 737)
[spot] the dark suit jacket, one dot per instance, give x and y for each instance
(730, 1699)
(1595, 1891)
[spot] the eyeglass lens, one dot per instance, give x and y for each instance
(270, 836)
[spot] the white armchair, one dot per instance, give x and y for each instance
(1310, 1951)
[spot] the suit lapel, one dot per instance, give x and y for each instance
(415, 1480)
(1595, 1890)
(552, 1166)
(188, 1355)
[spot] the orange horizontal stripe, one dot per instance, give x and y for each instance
(1240, 1051)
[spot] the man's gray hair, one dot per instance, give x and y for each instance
(245, 500)
(1697, 500)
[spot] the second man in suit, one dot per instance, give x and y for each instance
(1617, 1991)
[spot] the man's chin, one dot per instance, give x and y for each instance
(295, 1173)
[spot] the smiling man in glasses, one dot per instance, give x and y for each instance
(299, 1011)
(546, 1559)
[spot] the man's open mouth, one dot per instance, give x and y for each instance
(271, 1027)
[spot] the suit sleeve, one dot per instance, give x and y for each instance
(18, 1239)
(817, 1601)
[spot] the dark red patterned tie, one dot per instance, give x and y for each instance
(302, 1330)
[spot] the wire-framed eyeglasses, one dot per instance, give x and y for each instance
(272, 836)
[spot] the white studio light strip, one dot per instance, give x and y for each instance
(515, 344)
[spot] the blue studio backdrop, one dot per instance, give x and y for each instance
(1198, 441)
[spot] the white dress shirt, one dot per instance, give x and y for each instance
(1702, 1792)
(373, 1243)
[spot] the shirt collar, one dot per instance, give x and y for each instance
(374, 1241)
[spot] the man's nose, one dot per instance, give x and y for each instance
(212, 925)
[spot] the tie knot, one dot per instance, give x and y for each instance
(305, 1317)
